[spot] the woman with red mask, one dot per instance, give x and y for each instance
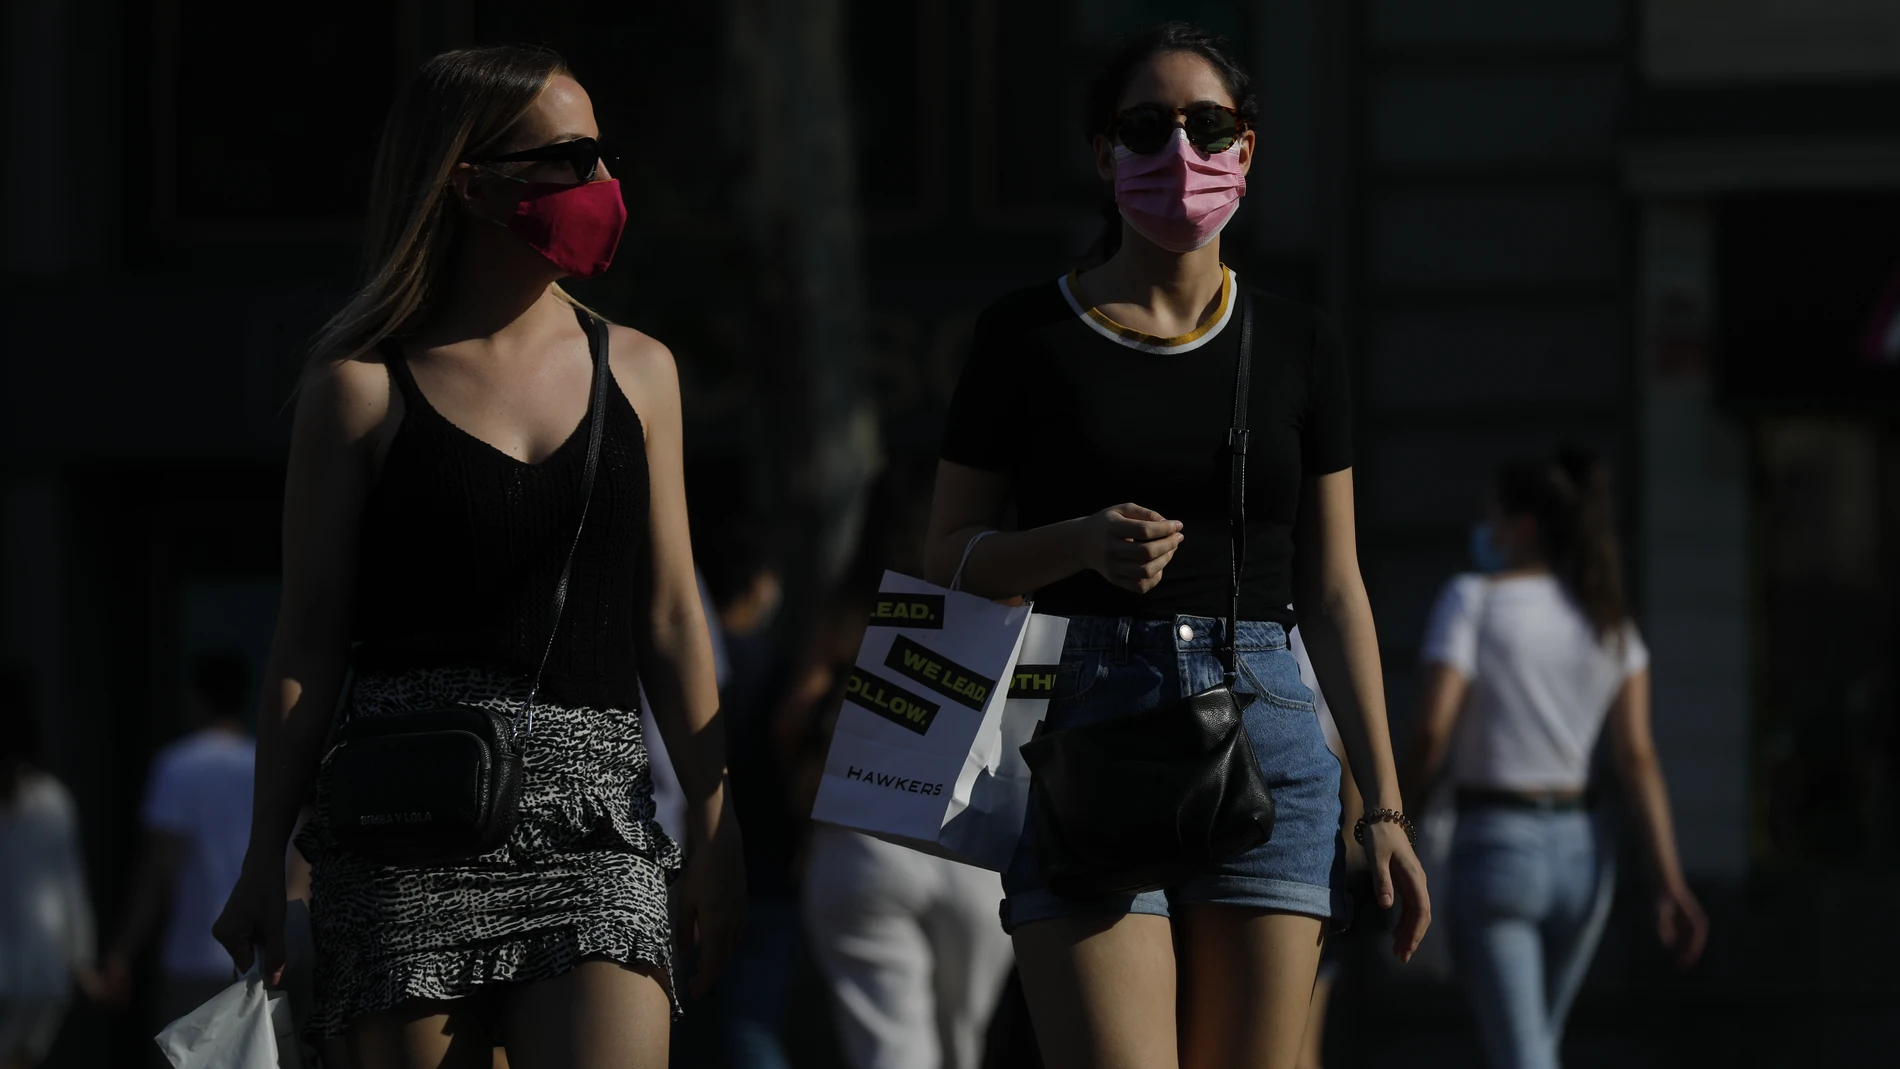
(1119, 384)
(455, 461)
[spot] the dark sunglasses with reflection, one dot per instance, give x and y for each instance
(1147, 128)
(583, 155)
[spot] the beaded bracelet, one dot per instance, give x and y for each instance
(1388, 816)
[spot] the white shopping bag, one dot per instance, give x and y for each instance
(245, 1026)
(922, 718)
(985, 833)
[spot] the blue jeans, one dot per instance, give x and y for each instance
(1113, 667)
(1530, 892)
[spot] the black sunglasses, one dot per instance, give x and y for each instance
(583, 154)
(1147, 128)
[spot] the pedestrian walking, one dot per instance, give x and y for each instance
(907, 941)
(748, 1010)
(46, 922)
(197, 821)
(1122, 383)
(1526, 661)
(485, 530)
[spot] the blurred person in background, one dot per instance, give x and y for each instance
(433, 495)
(46, 923)
(1525, 663)
(197, 824)
(1116, 384)
(742, 581)
(909, 942)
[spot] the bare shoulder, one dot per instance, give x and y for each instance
(645, 370)
(350, 398)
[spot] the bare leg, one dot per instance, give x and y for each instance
(423, 1034)
(1246, 982)
(1101, 990)
(598, 1015)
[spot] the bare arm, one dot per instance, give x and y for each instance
(338, 419)
(1680, 920)
(1129, 545)
(342, 416)
(673, 644)
(1438, 711)
(1336, 618)
(151, 895)
(675, 655)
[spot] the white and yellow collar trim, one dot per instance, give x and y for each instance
(1149, 343)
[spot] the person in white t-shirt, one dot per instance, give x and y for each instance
(197, 818)
(1526, 664)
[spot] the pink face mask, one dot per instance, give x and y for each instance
(576, 227)
(1178, 198)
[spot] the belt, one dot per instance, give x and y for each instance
(1541, 801)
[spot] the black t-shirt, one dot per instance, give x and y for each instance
(1082, 413)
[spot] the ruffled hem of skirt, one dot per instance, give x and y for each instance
(459, 972)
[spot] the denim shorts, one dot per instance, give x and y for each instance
(1113, 667)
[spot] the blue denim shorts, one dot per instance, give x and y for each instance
(1117, 666)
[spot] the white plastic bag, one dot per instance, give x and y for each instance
(245, 1026)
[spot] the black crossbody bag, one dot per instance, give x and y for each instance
(1145, 801)
(445, 783)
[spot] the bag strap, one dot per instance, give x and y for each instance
(1237, 485)
(597, 418)
(956, 581)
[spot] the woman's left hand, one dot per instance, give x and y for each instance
(1396, 872)
(712, 901)
(1681, 924)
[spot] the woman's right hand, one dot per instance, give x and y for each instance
(1130, 545)
(253, 917)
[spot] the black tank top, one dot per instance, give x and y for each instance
(462, 545)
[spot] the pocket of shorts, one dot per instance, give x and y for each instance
(1078, 676)
(1290, 692)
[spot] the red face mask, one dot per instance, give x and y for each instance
(577, 228)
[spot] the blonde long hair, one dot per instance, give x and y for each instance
(461, 103)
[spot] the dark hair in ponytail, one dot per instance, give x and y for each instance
(1569, 497)
(1098, 108)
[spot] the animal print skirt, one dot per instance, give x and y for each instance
(583, 876)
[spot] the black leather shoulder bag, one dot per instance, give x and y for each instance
(1145, 801)
(445, 783)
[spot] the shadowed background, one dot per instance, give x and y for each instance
(1662, 229)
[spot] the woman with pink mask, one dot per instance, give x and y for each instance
(1175, 451)
(485, 558)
